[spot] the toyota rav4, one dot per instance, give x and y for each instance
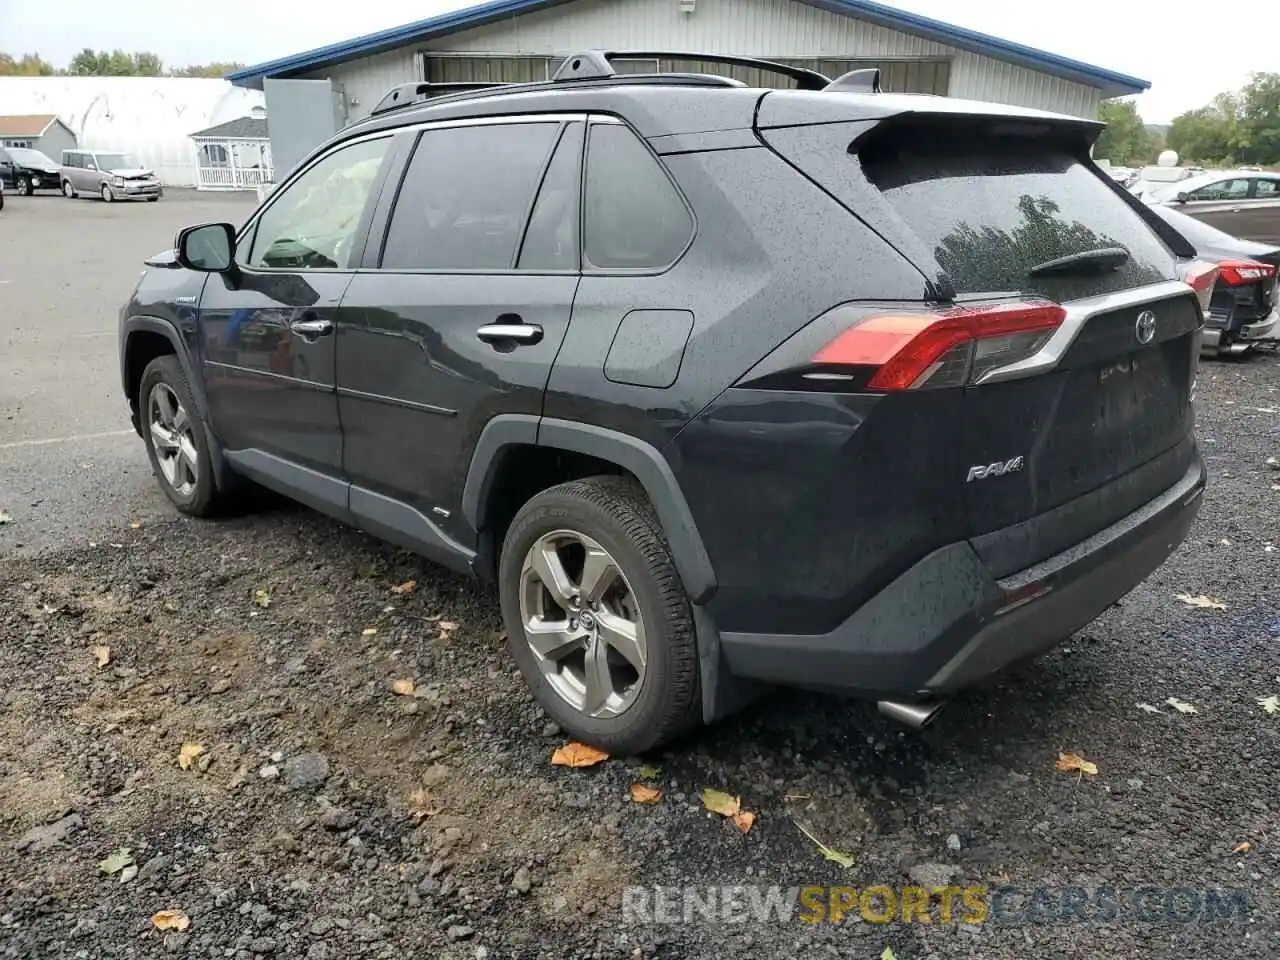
(724, 387)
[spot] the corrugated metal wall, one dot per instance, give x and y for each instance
(776, 29)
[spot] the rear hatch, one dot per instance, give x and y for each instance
(1094, 418)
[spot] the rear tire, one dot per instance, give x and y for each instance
(177, 444)
(584, 673)
(68, 190)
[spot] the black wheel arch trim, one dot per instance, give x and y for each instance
(150, 324)
(641, 459)
(144, 323)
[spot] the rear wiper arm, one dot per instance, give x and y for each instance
(1087, 261)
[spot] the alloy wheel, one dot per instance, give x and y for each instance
(173, 439)
(68, 190)
(107, 195)
(583, 624)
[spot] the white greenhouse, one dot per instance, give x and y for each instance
(151, 118)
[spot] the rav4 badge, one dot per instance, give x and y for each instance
(997, 469)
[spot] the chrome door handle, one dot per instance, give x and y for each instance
(312, 329)
(522, 333)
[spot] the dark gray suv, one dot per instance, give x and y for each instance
(723, 386)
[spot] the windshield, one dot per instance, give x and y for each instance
(31, 158)
(115, 161)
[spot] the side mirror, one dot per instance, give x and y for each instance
(208, 248)
(1183, 197)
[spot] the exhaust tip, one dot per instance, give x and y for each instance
(917, 716)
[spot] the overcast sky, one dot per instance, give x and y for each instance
(1186, 65)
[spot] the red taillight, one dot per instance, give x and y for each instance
(947, 348)
(1200, 277)
(1236, 273)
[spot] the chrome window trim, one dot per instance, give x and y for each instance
(1079, 312)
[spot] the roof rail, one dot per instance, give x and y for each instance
(865, 80)
(405, 94)
(597, 65)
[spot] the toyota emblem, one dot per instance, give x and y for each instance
(1145, 328)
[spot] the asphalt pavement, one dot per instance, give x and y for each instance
(69, 462)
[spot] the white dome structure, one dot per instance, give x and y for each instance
(149, 117)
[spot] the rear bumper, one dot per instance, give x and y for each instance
(1242, 337)
(948, 622)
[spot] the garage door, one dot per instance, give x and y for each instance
(896, 76)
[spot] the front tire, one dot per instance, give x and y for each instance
(107, 195)
(597, 618)
(24, 187)
(176, 441)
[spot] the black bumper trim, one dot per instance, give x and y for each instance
(947, 622)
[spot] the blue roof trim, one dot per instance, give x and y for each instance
(1111, 83)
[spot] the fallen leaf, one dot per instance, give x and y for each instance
(403, 687)
(1244, 847)
(642, 794)
(116, 861)
(1149, 708)
(5, 518)
(887, 954)
(102, 653)
(578, 755)
(835, 856)
(423, 803)
(1202, 602)
(717, 801)
(369, 632)
(406, 587)
(171, 920)
(1273, 463)
(445, 627)
(188, 753)
(1073, 763)
(743, 820)
(262, 598)
(135, 525)
(1181, 705)
(1270, 704)
(649, 772)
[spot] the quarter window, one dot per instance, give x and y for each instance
(313, 223)
(634, 218)
(466, 196)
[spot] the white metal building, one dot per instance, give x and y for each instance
(526, 39)
(151, 118)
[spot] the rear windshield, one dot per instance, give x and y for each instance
(992, 208)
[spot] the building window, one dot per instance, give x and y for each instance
(26, 144)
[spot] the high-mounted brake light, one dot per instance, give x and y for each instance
(944, 349)
(1236, 273)
(1200, 277)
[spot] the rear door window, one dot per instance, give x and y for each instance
(634, 218)
(1236, 189)
(466, 196)
(551, 238)
(991, 209)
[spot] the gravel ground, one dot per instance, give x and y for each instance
(327, 816)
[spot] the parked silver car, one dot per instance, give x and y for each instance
(108, 174)
(1243, 203)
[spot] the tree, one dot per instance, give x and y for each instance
(1258, 119)
(99, 63)
(29, 65)
(1125, 139)
(1203, 135)
(215, 69)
